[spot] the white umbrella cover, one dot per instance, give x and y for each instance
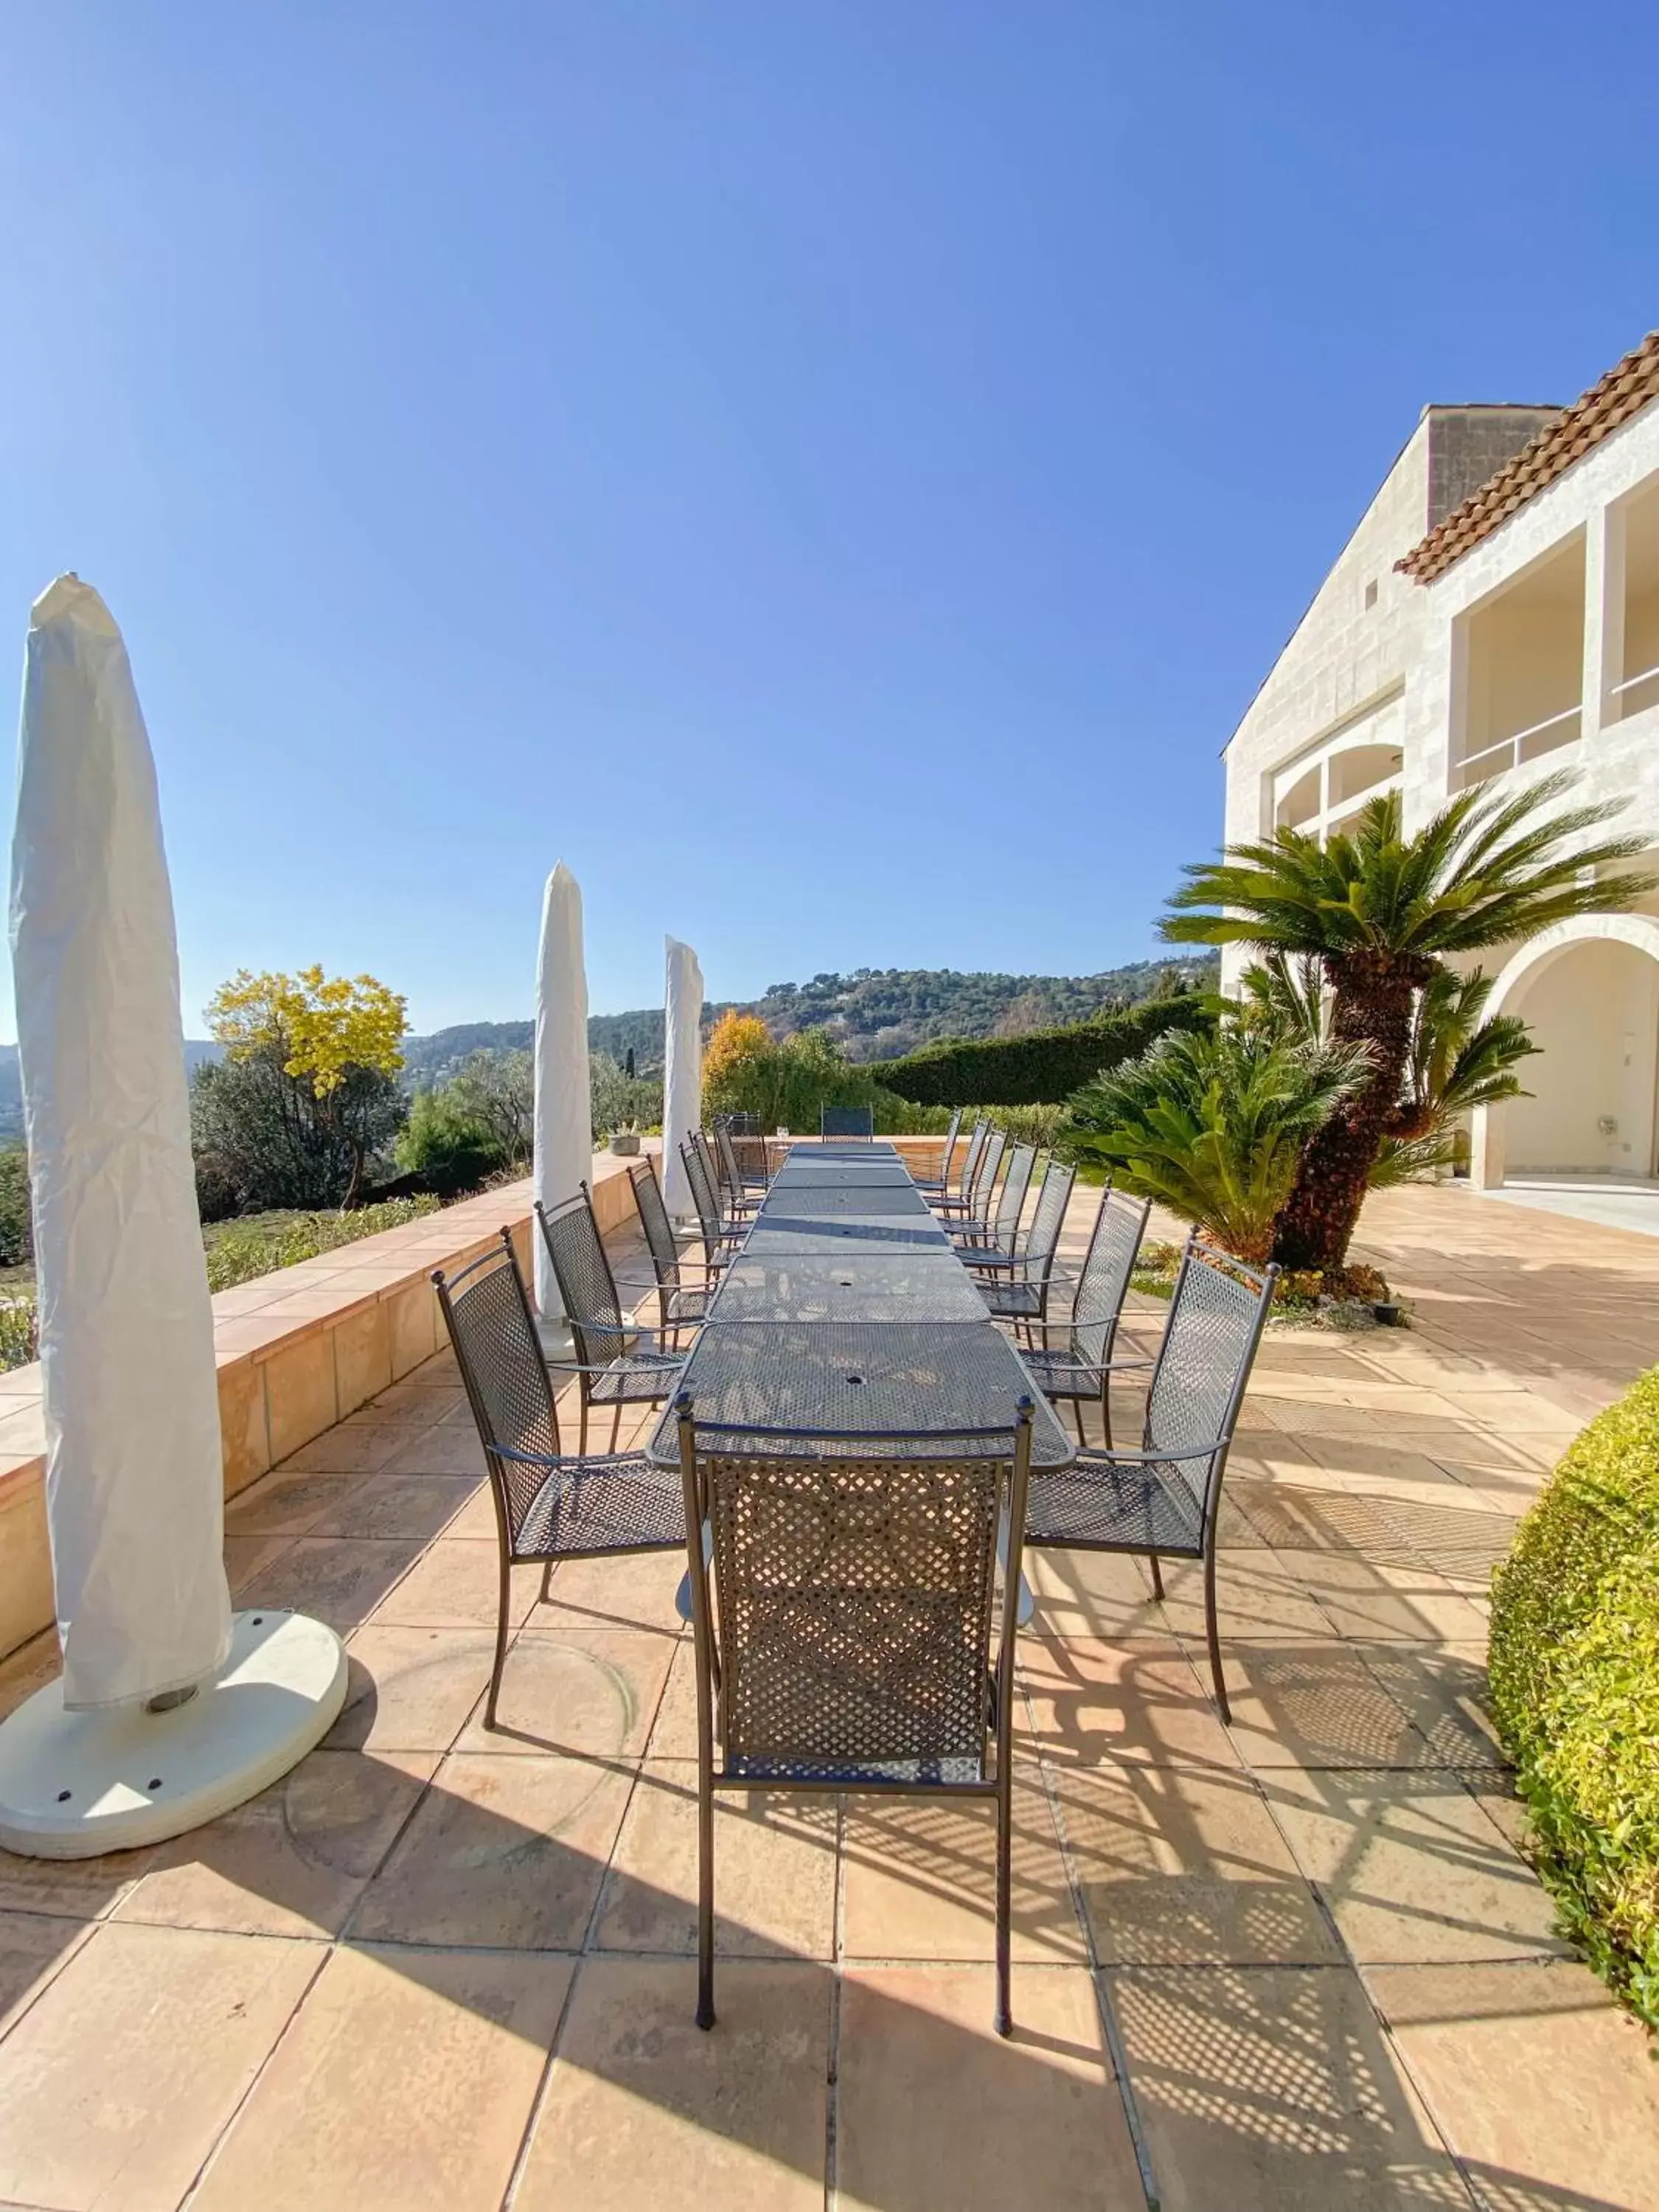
(564, 1110)
(683, 1071)
(134, 1473)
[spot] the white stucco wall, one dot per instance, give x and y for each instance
(1594, 1009)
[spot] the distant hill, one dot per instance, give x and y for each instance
(875, 1013)
(197, 1049)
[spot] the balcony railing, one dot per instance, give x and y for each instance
(1648, 677)
(1509, 752)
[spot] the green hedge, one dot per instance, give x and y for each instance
(1575, 1686)
(1041, 1069)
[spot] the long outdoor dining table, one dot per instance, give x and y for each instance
(847, 1310)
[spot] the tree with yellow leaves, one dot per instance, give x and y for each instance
(737, 1062)
(308, 1091)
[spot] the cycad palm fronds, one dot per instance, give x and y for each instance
(1214, 1126)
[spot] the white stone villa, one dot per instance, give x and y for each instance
(1495, 616)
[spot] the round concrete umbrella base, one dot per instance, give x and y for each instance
(74, 1784)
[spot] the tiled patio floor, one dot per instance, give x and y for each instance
(1294, 1963)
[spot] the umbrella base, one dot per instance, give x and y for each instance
(74, 1784)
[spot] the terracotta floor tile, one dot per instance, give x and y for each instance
(73, 1889)
(1292, 1518)
(1181, 1867)
(1091, 1594)
(337, 1580)
(1256, 1595)
(1273, 2089)
(1445, 1694)
(292, 1861)
(457, 1585)
(592, 1691)
(509, 1853)
(414, 1405)
(1543, 2088)
(919, 1880)
(411, 1689)
(115, 2084)
(635, 1592)
(1411, 1867)
(33, 1947)
(405, 2083)
(774, 1871)
(416, 1505)
(1316, 1705)
(247, 1556)
(1367, 1600)
(28, 1670)
(285, 1503)
(643, 2108)
(1090, 1700)
(675, 1733)
(348, 1447)
(445, 1450)
(934, 2109)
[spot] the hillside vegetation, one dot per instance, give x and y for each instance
(873, 1014)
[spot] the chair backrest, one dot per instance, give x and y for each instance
(951, 1136)
(586, 1285)
(713, 1177)
(1215, 1319)
(1113, 1245)
(726, 1152)
(660, 1239)
(1047, 1219)
(703, 1194)
(486, 1309)
(1022, 1159)
(985, 1178)
(970, 1158)
(854, 1584)
(846, 1122)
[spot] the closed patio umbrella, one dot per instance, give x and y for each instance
(683, 1071)
(169, 1709)
(564, 1111)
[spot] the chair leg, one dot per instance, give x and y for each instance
(1157, 1577)
(705, 1894)
(615, 1425)
(547, 1581)
(503, 1607)
(1213, 1634)
(1106, 1413)
(582, 1439)
(1004, 2017)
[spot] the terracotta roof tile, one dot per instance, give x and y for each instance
(1623, 392)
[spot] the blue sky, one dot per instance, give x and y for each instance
(835, 474)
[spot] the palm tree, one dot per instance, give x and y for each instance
(1381, 913)
(1460, 1056)
(1213, 1125)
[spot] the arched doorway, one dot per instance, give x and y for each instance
(1589, 990)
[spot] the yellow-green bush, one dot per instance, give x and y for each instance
(1575, 1684)
(260, 1243)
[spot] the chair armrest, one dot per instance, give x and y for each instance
(1159, 1458)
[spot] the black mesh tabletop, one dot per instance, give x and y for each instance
(802, 1172)
(882, 1285)
(892, 1379)
(844, 1148)
(831, 1202)
(787, 1235)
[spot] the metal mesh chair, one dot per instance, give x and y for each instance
(1080, 1370)
(743, 1155)
(938, 1186)
(960, 1201)
(616, 1364)
(975, 1220)
(734, 1214)
(1163, 1500)
(737, 1199)
(718, 1237)
(846, 1122)
(680, 1303)
(848, 1644)
(548, 1506)
(998, 1248)
(1021, 1295)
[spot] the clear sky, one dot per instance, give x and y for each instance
(835, 473)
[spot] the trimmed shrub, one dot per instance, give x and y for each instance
(261, 1243)
(1041, 1069)
(1575, 1687)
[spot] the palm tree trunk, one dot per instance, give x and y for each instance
(1372, 1007)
